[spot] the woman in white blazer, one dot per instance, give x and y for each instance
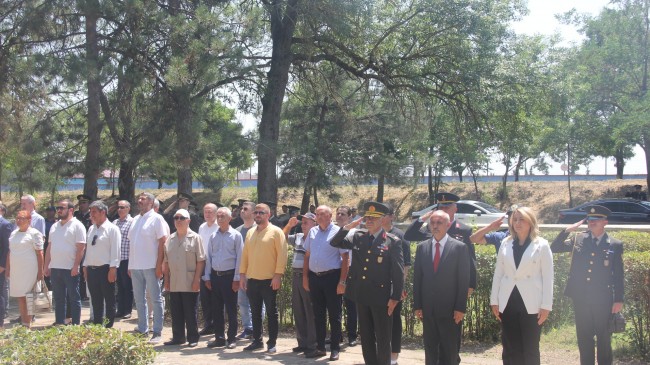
(522, 288)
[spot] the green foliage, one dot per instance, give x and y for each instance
(74, 345)
(637, 302)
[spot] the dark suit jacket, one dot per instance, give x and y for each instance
(441, 293)
(5, 231)
(377, 270)
(458, 231)
(596, 272)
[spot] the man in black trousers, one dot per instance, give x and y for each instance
(595, 283)
(440, 284)
(375, 281)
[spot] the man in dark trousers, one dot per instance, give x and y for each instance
(440, 284)
(375, 280)
(457, 230)
(595, 282)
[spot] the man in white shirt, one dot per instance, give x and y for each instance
(205, 231)
(147, 237)
(62, 260)
(101, 263)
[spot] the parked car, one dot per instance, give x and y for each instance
(624, 211)
(469, 212)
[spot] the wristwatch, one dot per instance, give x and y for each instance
(342, 282)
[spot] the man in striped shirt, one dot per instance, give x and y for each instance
(124, 285)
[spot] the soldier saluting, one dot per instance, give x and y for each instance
(375, 280)
(595, 282)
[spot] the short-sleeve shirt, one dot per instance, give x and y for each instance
(297, 240)
(495, 238)
(106, 250)
(63, 243)
(38, 222)
(322, 256)
(181, 256)
(145, 232)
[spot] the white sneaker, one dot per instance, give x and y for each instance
(271, 350)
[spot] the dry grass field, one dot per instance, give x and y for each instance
(546, 198)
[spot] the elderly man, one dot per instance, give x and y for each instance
(148, 236)
(343, 216)
(124, 284)
(263, 263)
(102, 260)
(62, 260)
(185, 259)
(303, 311)
(595, 284)
(246, 214)
(324, 272)
(440, 290)
(376, 280)
(205, 231)
(28, 203)
(224, 251)
(5, 231)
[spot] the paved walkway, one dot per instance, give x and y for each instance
(169, 355)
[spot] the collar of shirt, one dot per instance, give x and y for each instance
(598, 239)
(126, 219)
(326, 229)
(442, 242)
(373, 237)
(148, 213)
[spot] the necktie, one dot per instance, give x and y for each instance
(595, 241)
(436, 257)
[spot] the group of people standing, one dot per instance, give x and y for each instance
(224, 267)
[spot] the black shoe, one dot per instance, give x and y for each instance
(315, 353)
(193, 344)
(173, 342)
(255, 345)
(231, 345)
(299, 349)
(126, 316)
(334, 355)
(206, 331)
(352, 343)
(217, 343)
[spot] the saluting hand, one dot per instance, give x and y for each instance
(353, 224)
(496, 224)
(574, 227)
(293, 221)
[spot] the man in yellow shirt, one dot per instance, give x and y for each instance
(263, 262)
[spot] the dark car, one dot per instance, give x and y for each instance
(624, 211)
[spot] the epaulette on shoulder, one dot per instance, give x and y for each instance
(392, 236)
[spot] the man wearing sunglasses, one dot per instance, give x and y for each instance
(62, 260)
(263, 262)
(102, 260)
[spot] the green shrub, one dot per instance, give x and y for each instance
(74, 345)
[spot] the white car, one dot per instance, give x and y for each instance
(469, 212)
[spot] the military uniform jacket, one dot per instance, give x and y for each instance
(377, 271)
(83, 218)
(457, 231)
(596, 270)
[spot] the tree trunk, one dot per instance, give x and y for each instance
(185, 176)
(520, 162)
(620, 163)
(646, 149)
(283, 23)
(432, 198)
(381, 182)
(460, 175)
(503, 194)
(126, 179)
(91, 162)
(306, 192)
(474, 178)
(569, 171)
(315, 197)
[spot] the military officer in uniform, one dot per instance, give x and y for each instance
(375, 280)
(595, 282)
(83, 212)
(637, 194)
(183, 201)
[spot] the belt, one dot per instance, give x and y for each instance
(297, 270)
(223, 273)
(96, 267)
(323, 273)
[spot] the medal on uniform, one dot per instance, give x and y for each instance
(380, 259)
